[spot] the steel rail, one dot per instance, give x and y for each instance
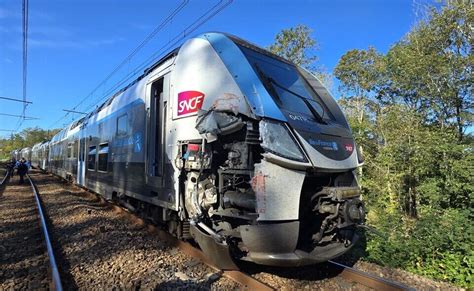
(52, 261)
(7, 174)
(247, 282)
(369, 280)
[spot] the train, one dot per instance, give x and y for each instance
(22, 153)
(228, 145)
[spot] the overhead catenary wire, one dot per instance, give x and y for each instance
(210, 13)
(25, 52)
(15, 99)
(25, 17)
(73, 111)
(20, 116)
(173, 42)
(150, 36)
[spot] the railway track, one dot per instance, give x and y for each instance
(4, 179)
(25, 248)
(366, 279)
(247, 281)
(55, 277)
(99, 246)
(244, 279)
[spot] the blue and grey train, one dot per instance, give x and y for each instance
(228, 145)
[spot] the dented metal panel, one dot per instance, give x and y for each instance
(243, 74)
(277, 191)
(192, 136)
(202, 81)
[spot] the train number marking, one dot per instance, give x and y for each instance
(189, 102)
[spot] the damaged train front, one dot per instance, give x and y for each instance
(275, 183)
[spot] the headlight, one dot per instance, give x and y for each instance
(277, 139)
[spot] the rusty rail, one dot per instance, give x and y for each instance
(369, 280)
(247, 282)
(7, 174)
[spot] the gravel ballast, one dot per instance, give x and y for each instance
(98, 247)
(23, 257)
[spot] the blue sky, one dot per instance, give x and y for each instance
(74, 45)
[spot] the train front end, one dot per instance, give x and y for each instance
(273, 179)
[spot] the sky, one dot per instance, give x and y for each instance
(73, 45)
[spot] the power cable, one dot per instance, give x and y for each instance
(15, 99)
(132, 53)
(155, 56)
(25, 52)
(210, 13)
(22, 116)
(25, 17)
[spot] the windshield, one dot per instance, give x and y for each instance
(287, 87)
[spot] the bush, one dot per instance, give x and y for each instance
(438, 245)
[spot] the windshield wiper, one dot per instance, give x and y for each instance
(267, 82)
(316, 115)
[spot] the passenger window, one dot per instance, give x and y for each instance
(75, 149)
(69, 151)
(122, 125)
(103, 157)
(91, 158)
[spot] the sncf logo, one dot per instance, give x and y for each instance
(189, 102)
(348, 148)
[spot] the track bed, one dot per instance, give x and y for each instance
(23, 256)
(97, 246)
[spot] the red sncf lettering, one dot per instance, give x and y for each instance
(189, 102)
(348, 148)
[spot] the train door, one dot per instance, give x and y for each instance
(81, 168)
(156, 132)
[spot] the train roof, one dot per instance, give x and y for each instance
(39, 145)
(63, 133)
(75, 126)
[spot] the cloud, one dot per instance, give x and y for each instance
(8, 60)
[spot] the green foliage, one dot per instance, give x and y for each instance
(360, 70)
(438, 245)
(26, 138)
(298, 46)
(409, 110)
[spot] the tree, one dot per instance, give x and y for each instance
(298, 46)
(26, 138)
(431, 69)
(361, 72)
(409, 109)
